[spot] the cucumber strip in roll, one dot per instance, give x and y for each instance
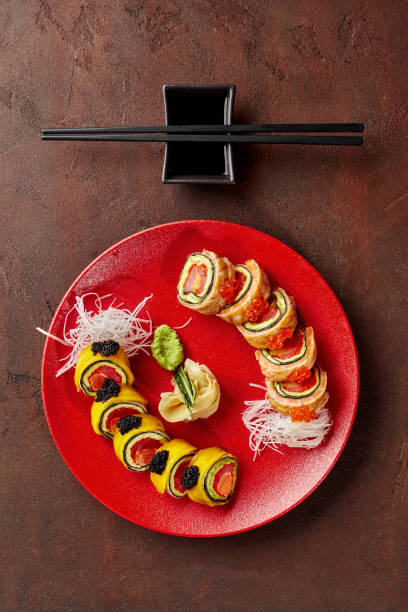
(105, 414)
(247, 279)
(136, 440)
(210, 479)
(299, 351)
(200, 280)
(95, 364)
(168, 466)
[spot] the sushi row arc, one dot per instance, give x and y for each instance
(176, 467)
(119, 413)
(207, 476)
(210, 284)
(267, 319)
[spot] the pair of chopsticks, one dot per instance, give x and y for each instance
(215, 133)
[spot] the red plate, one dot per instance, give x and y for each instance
(150, 262)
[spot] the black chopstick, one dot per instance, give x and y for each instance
(194, 129)
(225, 138)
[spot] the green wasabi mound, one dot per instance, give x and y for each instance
(167, 348)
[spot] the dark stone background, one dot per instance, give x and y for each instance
(103, 62)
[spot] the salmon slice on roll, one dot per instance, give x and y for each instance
(293, 360)
(289, 396)
(279, 315)
(250, 283)
(201, 278)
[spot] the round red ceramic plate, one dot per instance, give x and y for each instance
(150, 262)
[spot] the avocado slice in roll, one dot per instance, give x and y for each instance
(253, 284)
(311, 392)
(281, 313)
(168, 466)
(200, 280)
(210, 479)
(299, 351)
(136, 440)
(106, 414)
(99, 361)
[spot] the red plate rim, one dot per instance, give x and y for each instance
(308, 265)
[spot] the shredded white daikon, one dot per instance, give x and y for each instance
(270, 429)
(97, 322)
(184, 324)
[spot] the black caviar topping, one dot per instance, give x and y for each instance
(190, 477)
(158, 462)
(129, 422)
(109, 388)
(106, 348)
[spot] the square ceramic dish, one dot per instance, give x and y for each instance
(191, 162)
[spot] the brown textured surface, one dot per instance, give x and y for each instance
(104, 62)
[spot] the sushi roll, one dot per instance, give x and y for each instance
(210, 479)
(118, 402)
(298, 352)
(136, 439)
(201, 278)
(168, 466)
(99, 361)
(288, 396)
(280, 315)
(252, 283)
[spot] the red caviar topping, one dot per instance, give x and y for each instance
(303, 413)
(230, 290)
(278, 340)
(256, 308)
(299, 375)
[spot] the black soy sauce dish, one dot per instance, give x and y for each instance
(198, 162)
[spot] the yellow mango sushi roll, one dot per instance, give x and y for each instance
(168, 465)
(100, 361)
(210, 479)
(136, 439)
(119, 401)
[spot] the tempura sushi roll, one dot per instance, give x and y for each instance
(116, 403)
(201, 278)
(280, 315)
(210, 479)
(310, 393)
(136, 440)
(297, 355)
(99, 361)
(252, 284)
(168, 466)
